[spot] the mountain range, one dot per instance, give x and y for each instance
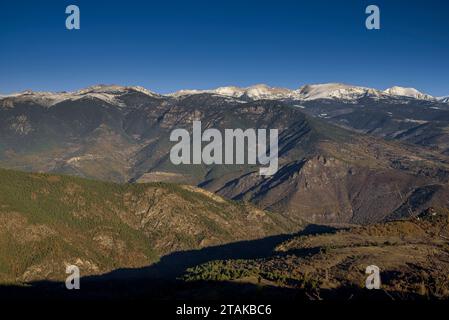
(312, 92)
(256, 92)
(87, 179)
(346, 154)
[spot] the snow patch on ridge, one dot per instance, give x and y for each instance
(408, 92)
(331, 91)
(107, 93)
(309, 92)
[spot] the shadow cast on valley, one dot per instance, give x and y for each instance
(161, 280)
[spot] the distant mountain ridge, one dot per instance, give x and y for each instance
(328, 170)
(256, 92)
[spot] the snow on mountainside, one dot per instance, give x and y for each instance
(336, 91)
(408, 92)
(106, 93)
(42, 98)
(444, 99)
(262, 91)
(308, 92)
(333, 91)
(259, 91)
(230, 91)
(115, 89)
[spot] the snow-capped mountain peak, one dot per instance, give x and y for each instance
(113, 94)
(106, 93)
(114, 89)
(259, 91)
(231, 91)
(262, 91)
(408, 92)
(335, 91)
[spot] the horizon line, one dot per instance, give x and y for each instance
(210, 88)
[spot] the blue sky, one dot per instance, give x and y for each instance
(170, 45)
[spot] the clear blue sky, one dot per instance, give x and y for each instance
(168, 45)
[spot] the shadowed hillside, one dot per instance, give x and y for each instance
(49, 221)
(413, 256)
